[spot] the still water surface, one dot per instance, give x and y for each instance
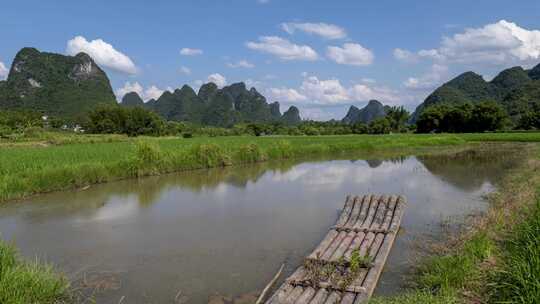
(195, 235)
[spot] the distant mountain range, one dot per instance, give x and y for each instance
(516, 89)
(70, 86)
(373, 110)
(217, 107)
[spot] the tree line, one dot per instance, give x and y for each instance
(136, 121)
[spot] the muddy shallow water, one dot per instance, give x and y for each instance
(195, 235)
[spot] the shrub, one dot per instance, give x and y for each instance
(210, 155)
(251, 153)
(133, 121)
(148, 158)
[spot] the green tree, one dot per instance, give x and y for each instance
(431, 119)
(488, 116)
(380, 126)
(397, 117)
(142, 122)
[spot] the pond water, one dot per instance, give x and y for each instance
(200, 235)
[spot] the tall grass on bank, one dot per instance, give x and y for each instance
(23, 282)
(27, 170)
(517, 279)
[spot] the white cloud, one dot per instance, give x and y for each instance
(429, 80)
(350, 54)
(330, 92)
(364, 92)
(218, 79)
(190, 52)
(324, 91)
(500, 43)
(241, 64)
(250, 83)
(433, 54)
(368, 80)
(151, 92)
(185, 70)
(404, 55)
(3, 71)
(285, 94)
(328, 31)
(103, 54)
(316, 114)
(283, 48)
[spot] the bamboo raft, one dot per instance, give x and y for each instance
(346, 265)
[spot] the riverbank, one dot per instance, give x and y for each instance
(494, 260)
(41, 167)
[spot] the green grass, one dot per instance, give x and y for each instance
(27, 170)
(23, 282)
(517, 279)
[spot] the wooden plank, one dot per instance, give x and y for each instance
(294, 294)
(389, 213)
(398, 214)
(333, 298)
(346, 212)
(306, 296)
(345, 244)
(320, 296)
(364, 211)
(319, 251)
(332, 248)
(348, 298)
(380, 213)
(366, 244)
(355, 212)
(371, 213)
(355, 244)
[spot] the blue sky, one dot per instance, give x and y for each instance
(322, 56)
